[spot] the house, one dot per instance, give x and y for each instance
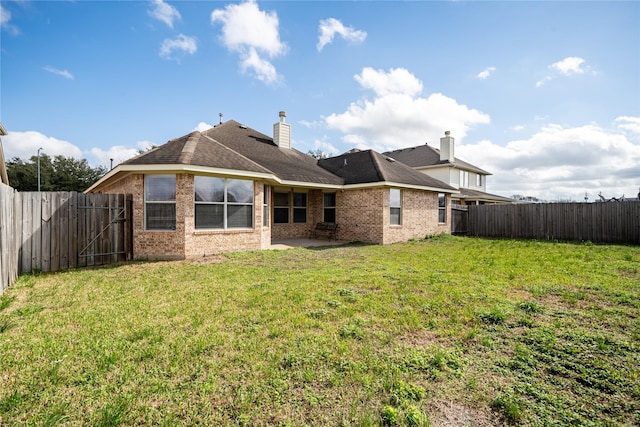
(470, 180)
(232, 188)
(4, 178)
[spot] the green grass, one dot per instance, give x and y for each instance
(416, 334)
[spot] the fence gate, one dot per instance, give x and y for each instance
(105, 228)
(459, 219)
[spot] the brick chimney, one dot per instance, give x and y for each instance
(282, 132)
(447, 147)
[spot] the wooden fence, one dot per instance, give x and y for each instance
(608, 222)
(51, 231)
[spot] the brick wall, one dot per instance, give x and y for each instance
(419, 217)
(186, 241)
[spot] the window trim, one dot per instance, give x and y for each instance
(159, 202)
(443, 208)
(300, 208)
(281, 207)
(266, 192)
(225, 205)
(332, 207)
(392, 207)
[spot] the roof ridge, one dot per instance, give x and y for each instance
(189, 147)
(376, 164)
(238, 154)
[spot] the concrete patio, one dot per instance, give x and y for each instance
(305, 243)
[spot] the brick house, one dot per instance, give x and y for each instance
(232, 188)
(470, 180)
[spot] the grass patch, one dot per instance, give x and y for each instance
(502, 331)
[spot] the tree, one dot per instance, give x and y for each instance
(318, 154)
(61, 174)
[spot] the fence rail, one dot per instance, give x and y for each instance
(51, 231)
(610, 222)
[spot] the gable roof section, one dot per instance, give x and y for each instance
(236, 149)
(425, 155)
(469, 194)
(368, 166)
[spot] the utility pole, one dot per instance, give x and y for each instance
(39, 168)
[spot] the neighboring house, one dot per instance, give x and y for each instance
(232, 188)
(470, 180)
(4, 178)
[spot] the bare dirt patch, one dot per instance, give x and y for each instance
(451, 414)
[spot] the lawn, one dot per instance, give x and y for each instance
(445, 331)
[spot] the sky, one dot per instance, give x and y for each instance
(544, 95)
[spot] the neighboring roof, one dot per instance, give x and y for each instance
(368, 166)
(425, 155)
(4, 177)
(234, 148)
(466, 193)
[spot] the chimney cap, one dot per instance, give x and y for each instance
(447, 132)
(282, 114)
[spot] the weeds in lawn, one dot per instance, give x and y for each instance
(525, 333)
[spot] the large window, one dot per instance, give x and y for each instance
(280, 208)
(329, 207)
(300, 207)
(442, 208)
(395, 203)
(223, 203)
(160, 202)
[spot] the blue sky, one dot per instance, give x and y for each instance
(545, 95)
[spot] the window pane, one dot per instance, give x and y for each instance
(300, 200)
(265, 216)
(329, 200)
(209, 189)
(281, 199)
(299, 214)
(239, 216)
(160, 188)
(329, 215)
(209, 216)
(239, 191)
(160, 216)
(281, 215)
(265, 196)
(395, 198)
(442, 216)
(441, 200)
(395, 216)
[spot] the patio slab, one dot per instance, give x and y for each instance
(305, 243)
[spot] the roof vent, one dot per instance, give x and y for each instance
(243, 126)
(391, 159)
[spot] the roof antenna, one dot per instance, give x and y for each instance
(220, 114)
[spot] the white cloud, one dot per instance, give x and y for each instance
(630, 125)
(25, 144)
(485, 73)
(328, 28)
(164, 12)
(398, 117)
(252, 33)
(119, 153)
(5, 17)
(560, 163)
(325, 146)
(64, 73)
(568, 66)
(202, 126)
(517, 128)
(172, 48)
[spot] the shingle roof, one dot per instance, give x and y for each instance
(234, 146)
(425, 155)
(467, 193)
(361, 167)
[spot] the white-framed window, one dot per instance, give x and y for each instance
(478, 180)
(223, 203)
(329, 213)
(160, 202)
(395, 205)
(265, 206)
(280, 207)
(300, 207)
(442, 208)
(464, 179)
